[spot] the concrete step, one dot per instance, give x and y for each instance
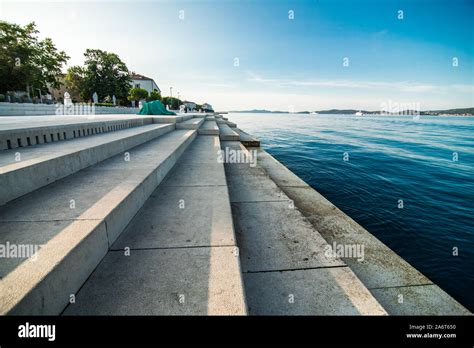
(16, 133)
(209, 128)
(171, 118)
(193, 123)
(227, 134)
(383, 272)
(27, 169)
(286, 270)
(219, 120)
(74, 221)
(29, 109)
(246, 139)
(182, 253)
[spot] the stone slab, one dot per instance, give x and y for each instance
(381, 268)
(231, 124)
(108, 182)
(41, 165)
(274, 236)
(418, 300)
(226, 133)
(205, 149)
(185, 281)
(181, 217)
(43, 286)
(247, 184)
(193, 123)
(68, 258)
(200, 174)
(246, 139)
(36, 130)
(209, 127)
(324, 291)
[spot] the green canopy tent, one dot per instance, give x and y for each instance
(154, 107)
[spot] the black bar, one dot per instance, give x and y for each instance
(241, 330)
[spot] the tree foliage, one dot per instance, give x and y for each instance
(172, 102)
(104, 73)
(154, 95)
(74, 81)
(137, 94)
(27, 62)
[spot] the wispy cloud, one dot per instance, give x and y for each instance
(403, 86)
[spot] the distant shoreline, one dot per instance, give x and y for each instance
(450, 112)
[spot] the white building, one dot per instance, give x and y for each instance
(207, 107)
(189, 105)
(140, 81)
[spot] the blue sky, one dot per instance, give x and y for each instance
(283, 64)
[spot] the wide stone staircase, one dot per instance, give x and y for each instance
(138, 216)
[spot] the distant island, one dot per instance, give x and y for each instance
(450, 112)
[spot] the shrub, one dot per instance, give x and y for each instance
(137, 94)
(26, 99)
(154, 95)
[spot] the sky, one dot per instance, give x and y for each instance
(278, 55)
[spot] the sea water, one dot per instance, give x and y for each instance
(408, 180)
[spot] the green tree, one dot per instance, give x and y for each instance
(137, 94)
(27, 63)
(74, 82)
(106, 74)
(172, 102)
(154, 95)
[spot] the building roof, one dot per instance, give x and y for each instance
(136, 76)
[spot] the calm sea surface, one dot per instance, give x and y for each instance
(427, 163)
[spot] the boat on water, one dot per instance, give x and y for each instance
(359, 113)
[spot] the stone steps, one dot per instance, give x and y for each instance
(227, 133)
(246, 139)
(182, 253)
(15, 134)
(167, 229)
(29, 109)
(285, 268)
(383, 272)
(209, 127)
(193, 123)
(75, 221)
(231, 124)
(27, 169)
